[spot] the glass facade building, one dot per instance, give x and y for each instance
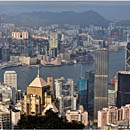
(101, 80)
(83, 92)
(123, 93)
(90, 77)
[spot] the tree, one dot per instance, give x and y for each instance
(50, 121)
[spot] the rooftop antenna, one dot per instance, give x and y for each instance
(38, 72)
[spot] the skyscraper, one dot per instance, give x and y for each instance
(101, 80)
(127, 59)
(123, 92)
(10, 78)
(90, 77)
(83, 92)
(54, 43)
(65, 93)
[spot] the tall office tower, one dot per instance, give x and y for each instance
(10, 78)
(90, 77)
(53, 40)
(123, 92)
(83, 92)
(101, 81)
(54, 43)
(127, 59)
(65, 93)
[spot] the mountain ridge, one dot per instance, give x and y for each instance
(66, 17)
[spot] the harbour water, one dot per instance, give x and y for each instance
(26, 74)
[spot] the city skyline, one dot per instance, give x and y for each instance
(64, 65)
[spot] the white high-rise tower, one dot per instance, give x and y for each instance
(10, 78)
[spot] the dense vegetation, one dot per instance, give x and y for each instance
(50, 121)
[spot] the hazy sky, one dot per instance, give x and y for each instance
(110, 10)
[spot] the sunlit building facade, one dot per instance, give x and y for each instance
(10, 78)
(101, 80)
(20, 35)
(34, 101)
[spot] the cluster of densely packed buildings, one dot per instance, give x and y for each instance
(40, 96)
(90, 100)
(114, 117)
(57, 45)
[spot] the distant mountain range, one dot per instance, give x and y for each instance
(66, 17)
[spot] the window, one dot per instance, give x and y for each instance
(36, 108)
(28, 107)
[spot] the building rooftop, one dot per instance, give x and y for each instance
(10, 72)
(124, 72)
(102, 49)
(38, 82)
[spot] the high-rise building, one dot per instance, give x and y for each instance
(114, 117)
(15, 117)
(7, 93)
(10, 78)
(20, 35)
(54, 43)
(83, 92)
(65, 93)
(5, 120)
(53, 40)
(101, 81)
(90, 77)
(53, 52)
(123, 92)
(34, 101)
(127, 58)
(112, 97)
